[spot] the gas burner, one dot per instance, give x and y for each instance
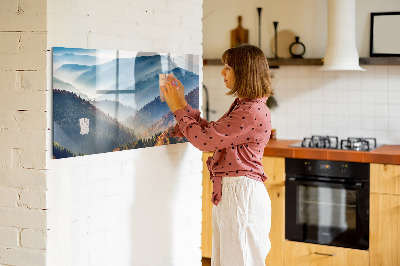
(332, 142)
(327, 142)
(358, 144)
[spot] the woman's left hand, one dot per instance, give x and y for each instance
(170, 90)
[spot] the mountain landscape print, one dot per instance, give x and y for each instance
(109, 100)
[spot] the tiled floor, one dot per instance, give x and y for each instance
(206, 261)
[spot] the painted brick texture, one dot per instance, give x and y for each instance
(23, 218)
(112, 208)
(138, 207)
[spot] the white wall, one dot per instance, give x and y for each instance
(311, 102)
(137, 207)
(23, 133)
(304, 18)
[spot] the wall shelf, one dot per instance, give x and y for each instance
(274, 63)
(380, 61)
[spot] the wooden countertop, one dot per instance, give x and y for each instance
(389, 154)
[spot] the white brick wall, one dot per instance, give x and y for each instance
(138, 207)
(100, 206)
(23, 132)
(23, 178)
(9, 237)
(34, 239)
(9, 197)
(23, 256)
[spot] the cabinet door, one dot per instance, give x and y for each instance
(274, 168)
(277, 233)
(304, 254)
(384, 229)
(385, 178)
(206, 232)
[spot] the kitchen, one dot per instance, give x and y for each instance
(98, 207)
(315, 103)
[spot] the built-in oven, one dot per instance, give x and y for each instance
(327, 202)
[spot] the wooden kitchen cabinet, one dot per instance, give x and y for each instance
(305, 254)
(274, 168)
(385, 178)
(277, 233)
(384, 237)
(206, 225)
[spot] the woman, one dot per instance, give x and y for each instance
(242, 208)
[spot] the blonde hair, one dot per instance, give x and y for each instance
(250, 66)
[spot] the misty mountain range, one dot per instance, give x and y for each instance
(134, 80)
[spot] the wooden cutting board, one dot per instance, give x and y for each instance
(239, 35)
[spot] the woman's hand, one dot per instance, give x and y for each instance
(172, 94)
(181, 91)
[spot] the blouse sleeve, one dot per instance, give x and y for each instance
(193, 113)
(231, 130)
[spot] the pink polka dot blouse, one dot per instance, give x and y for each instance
(238, 139)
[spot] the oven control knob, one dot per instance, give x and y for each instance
(308, 166)
(343, 168)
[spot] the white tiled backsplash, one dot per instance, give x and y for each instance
(339, 103)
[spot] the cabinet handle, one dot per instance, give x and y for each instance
(325, 254)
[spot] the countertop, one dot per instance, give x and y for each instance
(389, 154)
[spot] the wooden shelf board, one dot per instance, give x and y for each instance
(275, 62)
(294, 61)
(380, 61)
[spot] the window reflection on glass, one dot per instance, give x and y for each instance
(329, 207)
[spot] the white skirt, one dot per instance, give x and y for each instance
(241, 223)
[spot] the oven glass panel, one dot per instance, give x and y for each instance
(326, 207)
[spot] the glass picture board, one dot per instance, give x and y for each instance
(109, 100)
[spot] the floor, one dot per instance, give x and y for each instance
(206, 261)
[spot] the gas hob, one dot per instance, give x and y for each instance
(332, 142)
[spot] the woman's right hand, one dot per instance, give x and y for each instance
(181, 91)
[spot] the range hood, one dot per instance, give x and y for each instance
(341, 51)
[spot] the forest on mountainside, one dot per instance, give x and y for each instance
(105, 133)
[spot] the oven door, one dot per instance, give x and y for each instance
(327, 213)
